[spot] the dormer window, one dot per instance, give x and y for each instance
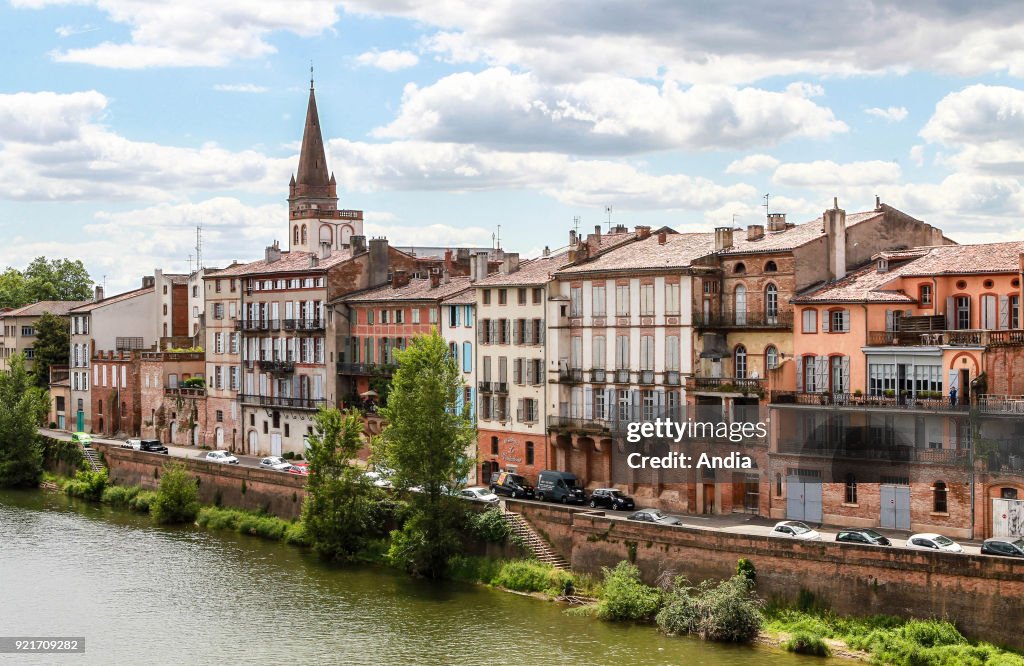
(883, 265)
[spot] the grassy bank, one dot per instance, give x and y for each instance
(529, 576)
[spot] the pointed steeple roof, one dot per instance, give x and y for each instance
(312, 159)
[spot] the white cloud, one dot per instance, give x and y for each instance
(240, 87)
(985, 124)
(804, 89)
(48, 117)
(194, 33)
(603, 115)
(65, 31)
(828, 174)
(917, 155)
(389, 61)
(892, 114)
(752, 164)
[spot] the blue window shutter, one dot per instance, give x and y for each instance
(467, 357)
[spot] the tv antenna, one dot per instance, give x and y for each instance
(199, 249)
(496, 239)
(576, 224)
(766, 213)
(608, 211)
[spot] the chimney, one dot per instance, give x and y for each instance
(546, 252)
(510, 263)
(835, 239)
(446, 277)
(776, 221)
(99, 291)
(478, 266)
(878, 203)
(435, 280)
(755, 232)
(597, 230)
(325, 250)
(358, 244)
(642, 232)
(572, 237)
(148, 281)
(313, 261)
(378, 261)
(400, 279)
(272, 253)
(593, 244)
(662, 237)
(723, 238)
(619, 229)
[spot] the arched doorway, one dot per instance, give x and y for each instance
(252, 442)
(174, 431)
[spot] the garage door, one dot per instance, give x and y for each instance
(895, 509)
(803, 498)
(1007, 517)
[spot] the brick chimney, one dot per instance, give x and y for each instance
(357, 244)
(835, 239)
(776, 221)
(723, 238)
(379, 257)
(400, 278)
(755, 232)
(642, 232)
(98, 296)
(662, 237)
(510, 262)
(572, 237)
(435, 280)
(272, 253)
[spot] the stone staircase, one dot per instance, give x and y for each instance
(92, 459)
(537, 546)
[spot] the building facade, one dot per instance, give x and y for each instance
(19, 329)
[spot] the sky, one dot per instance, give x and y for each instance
(124, 124)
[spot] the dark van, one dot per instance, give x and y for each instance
(153, 446)
(559, 487)
(513, 485)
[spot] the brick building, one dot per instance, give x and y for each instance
(115, 395)
(173, 411)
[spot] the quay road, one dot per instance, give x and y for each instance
(737, 523)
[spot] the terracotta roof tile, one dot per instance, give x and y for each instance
(678, 251)
(793, 237)
(92, 305)
(531, 272)
(416, 290)
(290, 262)
(41, 307)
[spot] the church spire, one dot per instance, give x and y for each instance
(312, 159)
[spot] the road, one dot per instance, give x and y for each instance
(174, 451)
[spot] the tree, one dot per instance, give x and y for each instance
(52, 346)
(45, 280)
(338, 513)
(424, 443)
(23, 406)
(177, 501)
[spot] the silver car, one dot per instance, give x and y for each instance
(654, 516)
(276, 463)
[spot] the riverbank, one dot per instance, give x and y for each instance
(810, 629)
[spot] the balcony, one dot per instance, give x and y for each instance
(303, 324)
(780, 319)
(258, 325)
(726, 385)
(672, 378)
(172, 356)
(574, 424)
(597, 376)
(946, 338)
(275, 401)
(646, 377)
(364, 368)
(876, 452)
(1009, 405)
(570, 375)
(278, 367)
(499, 387)
(622, 376)
(484, 387)
(192, 392)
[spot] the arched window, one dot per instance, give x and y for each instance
(295, 235)
(740, 361)
(739, 268)
(851, 489)
(740, 304)
(529, 453)
(771, 357)
(939, 491)
(771, 304)
(494, 445)
(770, 267)
(303, 234)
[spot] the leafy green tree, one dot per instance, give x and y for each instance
(424, 443)
(339, 511)
(23, 406)
(53, 340)
(13, 290)
(177, 501)
(45, 280)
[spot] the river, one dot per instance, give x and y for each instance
(143, 594)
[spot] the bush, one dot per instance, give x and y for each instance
(253, 524)
(177, 501)
(745, 568)
(470, 569)
(531, 576)
(87, 485)
(490, 526)
(728, 611)
(625, 596)
(803, 642)
(120, 495)
(142, 502)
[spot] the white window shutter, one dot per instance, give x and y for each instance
(588, 403)
(1004, 312)
(799, 374)
(826, 320)
(950, 314)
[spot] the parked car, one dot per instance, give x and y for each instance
(1003, 546)
(377, 479)
(929, 541)
(222, 457)
(131, 444)
(301, 469)
(153, 446)
(559, 487)
(794, 529)
(862, 535)
(478, 494)
(654, 516)
(511, 484)
(275, 463)
(611, 498)
(83, 438)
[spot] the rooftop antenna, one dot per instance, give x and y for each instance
(766, 196)
(734, 219)
(608, 210)
(190, 264)
(576, 224)
(199, 248)
(496, 239)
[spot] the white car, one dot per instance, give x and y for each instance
(479, 494)
(134, 444)
(377, 479)
(276, 463)
(222, 457)
(929, 541)
(794, 529)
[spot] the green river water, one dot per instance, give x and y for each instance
(146, 595)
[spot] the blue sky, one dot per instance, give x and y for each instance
(124, 123)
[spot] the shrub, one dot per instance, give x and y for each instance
(288, 455)
(142, 502)
(87, 485)
(253, 524)
(625, 596)
(120, 495)
(177, 501)
(471, 569)
(531, 576)
(803, 642)
(490, 526)
(745, 568)
(728, 611)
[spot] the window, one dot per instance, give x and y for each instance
(925, 294)
(576, 302)
(740, 304)
(415, 312)
(672, 353)
(487, 296)
(622, 352)
(778, 485)
(384, 316)
(771, 304)
(647, 352)
(529, 453)
(622, 300)
(369, 317)
(770, 267)
(647, 300)
(399, 316)
(839, 321)
(220, 416)
(739, 268)
(521, 295)
(598, 297)
(672, 298)
(1015, 311)
(740, 361)
(597, 349)
(939, 492)
(963, 311)
(810, 321)
(851, 489)
(467, 357)
(503, 297)
(771, 357)
(538, 295)
(494, 445)
(710, 286)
